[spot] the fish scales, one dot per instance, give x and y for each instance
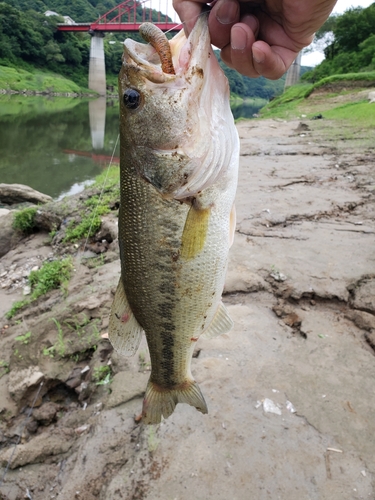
(178, 176)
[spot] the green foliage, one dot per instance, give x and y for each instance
(287, 102)
(108, 179)
(102, 375)
(295, 102)
(359, 113)
(4, 367)
(353, 27)
(24, 220)
(50, 276)
(353, 48)
(59, 347)
(348, 77)
(24, 338)
(97, 205)
(88, 226)
(251, 87)
(20, 79)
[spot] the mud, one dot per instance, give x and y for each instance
(290, 390)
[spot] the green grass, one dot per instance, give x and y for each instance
(4, 368)
(102, 375)
(24, 338)
(96, 206)
(50, 276)
(89, 225)
(287, 103)
(24, 220)
(293, 102)
(19, 79)
(347, 77)
(361, 114)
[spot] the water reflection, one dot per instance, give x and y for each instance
(48, 144)
(58, 145)
(248, 109)
(97, 112)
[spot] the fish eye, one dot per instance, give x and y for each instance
(132, 99)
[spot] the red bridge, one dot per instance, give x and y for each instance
(128, 16)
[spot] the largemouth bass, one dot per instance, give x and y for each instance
(178, 177)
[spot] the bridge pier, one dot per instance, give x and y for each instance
(293, 73)
(97, 80)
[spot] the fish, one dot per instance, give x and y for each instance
(179, 154)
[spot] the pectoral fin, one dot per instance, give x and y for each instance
(222, 323)
(125, 333)
(195, 232)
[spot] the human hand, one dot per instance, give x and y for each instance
(259, 37)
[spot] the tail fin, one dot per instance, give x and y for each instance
(160, 402)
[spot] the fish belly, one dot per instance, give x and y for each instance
(173, 264)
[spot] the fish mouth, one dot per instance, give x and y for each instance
(163, 60)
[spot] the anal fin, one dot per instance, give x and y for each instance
(221, 323)
(124, 331)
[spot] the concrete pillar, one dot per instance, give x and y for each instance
(97, 65)
(97, 110)
(293, 73)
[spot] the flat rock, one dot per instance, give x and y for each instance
(21, 380)
(239, 279)
(364, 296)
(38, 449)
(18, 193)
(4, 211)
(126, 386)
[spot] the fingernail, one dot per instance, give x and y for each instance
(258, 55)
(227, 12)
(252, 22)
(238, 38)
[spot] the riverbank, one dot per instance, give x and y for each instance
(290, 390)
(17, 80)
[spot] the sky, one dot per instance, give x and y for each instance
(315, 58)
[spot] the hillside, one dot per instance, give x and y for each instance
(31, 42)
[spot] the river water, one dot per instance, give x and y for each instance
(57, 145)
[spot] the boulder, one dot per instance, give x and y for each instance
(46, 414)
(19, 193)
(9, 237)
(47, 220)
(371, 96)
(21, 380)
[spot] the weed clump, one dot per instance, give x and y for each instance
(24, 220)
(102, 375)
(50, 276)
(95, 206)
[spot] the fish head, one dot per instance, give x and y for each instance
(177, 130)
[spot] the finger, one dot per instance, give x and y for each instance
(188, 11)
(224, 14)
(272, 62)
(238, 54)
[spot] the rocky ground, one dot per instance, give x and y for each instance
(290, 390)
